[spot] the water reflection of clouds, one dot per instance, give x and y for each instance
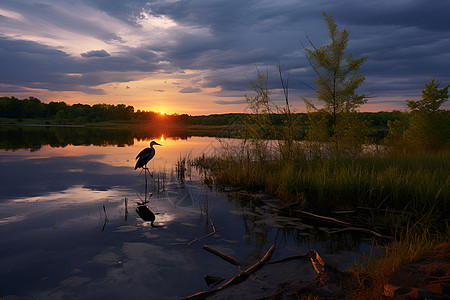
(11, 219)
(75, 194)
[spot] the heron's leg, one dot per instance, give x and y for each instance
(145, 172)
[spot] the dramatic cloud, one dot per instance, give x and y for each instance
(211, 48)
(96, 53)
(188, 90)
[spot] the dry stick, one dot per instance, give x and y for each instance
(214, 228)
(362, 230)
(382, 210)
(228, 258)
(322, 217)
(306, 255)
(202, 237)
(236, 279)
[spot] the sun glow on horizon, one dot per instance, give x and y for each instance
(162, 138)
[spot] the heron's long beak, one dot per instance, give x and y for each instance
(158, 144)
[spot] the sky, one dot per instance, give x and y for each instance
(198, 56)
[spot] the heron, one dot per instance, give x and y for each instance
(145, 156)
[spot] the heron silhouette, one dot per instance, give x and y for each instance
(145, 156)
(142, 160)
(146, 214)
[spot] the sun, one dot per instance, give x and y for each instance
(162, 113)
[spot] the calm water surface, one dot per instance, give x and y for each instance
(57, 243)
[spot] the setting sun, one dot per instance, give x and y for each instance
(162, 113)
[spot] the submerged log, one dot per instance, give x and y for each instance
(323, 217)
(236, 279)
(226, 257)
(306, 255)
(213, 280)
(362, 230)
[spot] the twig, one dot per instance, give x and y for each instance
(362, 230)
(236, 279)
(322, 217)
(343, 212)
(306, 255)
(212, 224)
(381, 209)
(226, 257)
(202, 237)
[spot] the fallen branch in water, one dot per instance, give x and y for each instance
(228, 258)
(322, 217)
(236, 279)
(362, 230)
(199, 238)
(306, 255)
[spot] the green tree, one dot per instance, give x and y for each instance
(336, 73)
(428, 125)
(337, 80)
(432, 98)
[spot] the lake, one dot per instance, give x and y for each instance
(69, 227)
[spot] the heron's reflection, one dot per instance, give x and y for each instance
(146, 214)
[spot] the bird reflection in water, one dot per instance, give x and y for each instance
(145, 213)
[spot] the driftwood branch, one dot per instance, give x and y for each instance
(228, 258)
(306, 255)
(199, 238)
(236, 279)
(323, 217)
(202, 237)
(362, 230)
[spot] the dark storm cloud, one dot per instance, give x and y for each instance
(62, 17)
(95, 53)
(34, 65)
(126, 11)
(402, 39)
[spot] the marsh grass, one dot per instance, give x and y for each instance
(416, 184)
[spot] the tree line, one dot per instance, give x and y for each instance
(63, 113)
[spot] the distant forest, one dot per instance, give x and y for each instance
(63, 113)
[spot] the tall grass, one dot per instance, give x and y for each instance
(416, 183)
